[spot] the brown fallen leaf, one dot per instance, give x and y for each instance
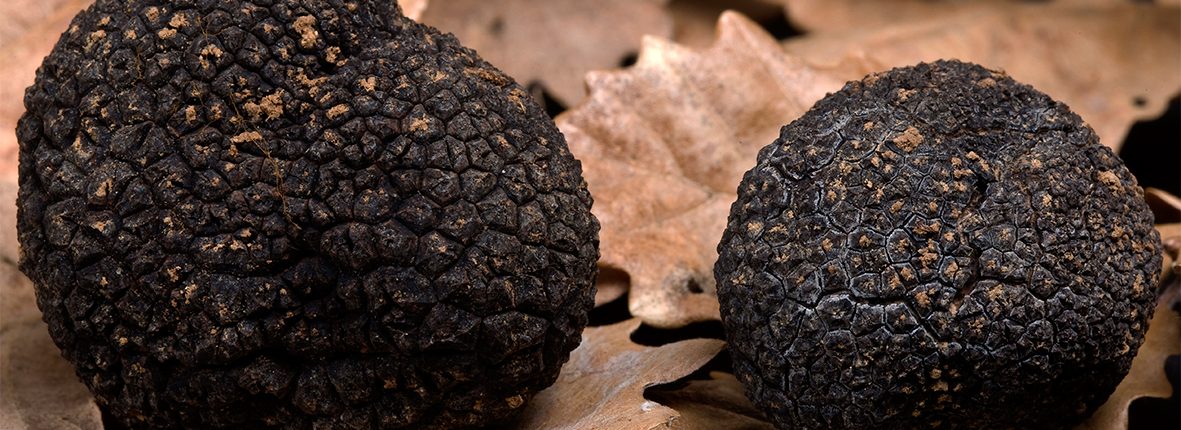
(1170, 235)
(664, 144)
(1114, 63)
(1167, 210)
(1147, 377)
(38, 388)
(827, 16)
(1166, 207)
(413, 8)
(553, 43)
(694, 21)
(821, 16)
(611, 284)
(602, 386)
(714, 403)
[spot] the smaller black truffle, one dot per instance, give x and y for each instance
(936, 246)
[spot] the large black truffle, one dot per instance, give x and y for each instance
(297, 214)
(936, 246)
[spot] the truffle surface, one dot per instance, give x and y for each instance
(298, 214)
(936, 246)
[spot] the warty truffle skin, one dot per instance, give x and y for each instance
(936, 246)
(298, 214)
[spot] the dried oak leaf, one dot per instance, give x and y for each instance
(694, 21)
(714, 403)
(1167, 210)
(1170, 235)
(554, 43)
(602, 386)
(38, 389)
(826, 16)
(1166, 207)
(1114, 63)
(664, 144)
(413, 8)
(840, 15)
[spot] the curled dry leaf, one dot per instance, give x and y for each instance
(694, 21)
(714, 403)
(1167, 210)
(1166, 207)
(413, 8)
(1170, 235)
(554, 43)
(827, 16)
(664, 145)
(840, 15)
(1114, 63)
(602, 386)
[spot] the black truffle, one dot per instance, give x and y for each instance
(298, 214)
(936, 246)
